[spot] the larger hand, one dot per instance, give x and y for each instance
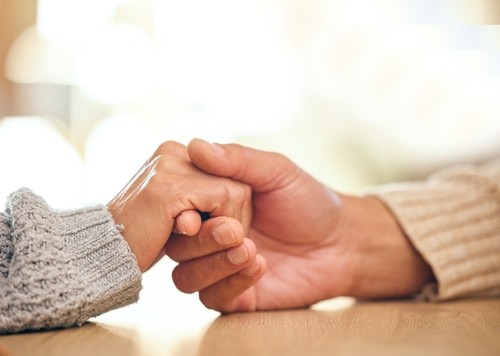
(316, 243)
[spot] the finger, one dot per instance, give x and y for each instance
(216, 234)
(198, 274)
(262, 170)
(187, 223)
(233, 293)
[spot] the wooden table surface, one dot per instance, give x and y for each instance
(467, 327)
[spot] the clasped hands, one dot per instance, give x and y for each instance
(275, 237)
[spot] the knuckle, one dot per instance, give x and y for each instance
(165, 163)
(167, 147)
(247, 190)
(242, 196)
(239, 189)
(223, 193)
(234, 191)
(157, 167)
(245, 193)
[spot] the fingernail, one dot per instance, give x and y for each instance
(224, 235)
(182, 227)
(214, 147)
(238, 255)
(253, 269)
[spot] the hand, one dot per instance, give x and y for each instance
(314, 243)
(167, 193)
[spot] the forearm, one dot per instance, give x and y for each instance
(66, 266)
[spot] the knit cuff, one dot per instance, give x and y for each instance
(5, 246)
(66, 266)
(455, 226)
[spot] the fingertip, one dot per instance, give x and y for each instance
(251, 248)
(195, 141)
(234, 293)
(187, 223)
(257, 268)
(207, 157)
(198, 145)
(243, 254)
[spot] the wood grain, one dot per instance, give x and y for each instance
(469, 327)
(385, 328)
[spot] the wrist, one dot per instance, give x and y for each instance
(385, 263)
(125, 234)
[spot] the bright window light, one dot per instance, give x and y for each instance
(115, 149)
(232, 59)
(33, 59)
(73, 21)
(40, 158)
(117, 66)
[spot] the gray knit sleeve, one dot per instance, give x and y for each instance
(59, 269)
(5, 246)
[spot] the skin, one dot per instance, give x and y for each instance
(165, 197)
(312, 243)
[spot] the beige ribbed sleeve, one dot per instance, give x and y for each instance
(453, 220)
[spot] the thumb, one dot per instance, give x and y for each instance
(263, 171)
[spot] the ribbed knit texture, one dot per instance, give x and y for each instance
(453, 220)
(58, 269)
(5, 245)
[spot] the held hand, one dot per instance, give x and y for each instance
(166, 194)
(314, 243)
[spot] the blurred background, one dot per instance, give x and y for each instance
(357, 92)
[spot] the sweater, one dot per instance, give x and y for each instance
(453, 220)
(60, 268)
